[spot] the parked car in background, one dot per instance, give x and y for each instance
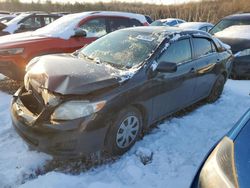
(6, 18)
(235, 19)
(4, 13)
(238, 38)
(65, 35)
(167, 22)
(227, 164)
(204, 26)
(102, 97)
(28, 22)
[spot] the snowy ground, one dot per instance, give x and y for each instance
(178, 147)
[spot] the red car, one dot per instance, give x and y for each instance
(64, 35)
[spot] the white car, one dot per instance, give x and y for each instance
(203, 26)
(167, 22)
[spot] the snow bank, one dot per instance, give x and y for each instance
(236, 31)
(175, 149)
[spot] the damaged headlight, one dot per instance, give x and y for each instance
(11, 51)
(76, 109)
(219, 169)
(49, 98)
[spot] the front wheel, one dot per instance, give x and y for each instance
(217, 89)
(124, 131)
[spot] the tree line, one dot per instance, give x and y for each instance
(205, 10)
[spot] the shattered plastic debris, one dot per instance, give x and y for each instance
(145, 155)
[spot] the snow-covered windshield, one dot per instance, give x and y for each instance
(223, 24)
(14, 24)
(17, 19)
(63, 27)
(122, 49)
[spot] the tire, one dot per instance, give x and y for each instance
(124, 131)
(217, 89)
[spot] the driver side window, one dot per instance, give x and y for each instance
(178, 52)
(95, 27)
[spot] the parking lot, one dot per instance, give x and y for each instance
(178, 146)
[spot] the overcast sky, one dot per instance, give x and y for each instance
(143, 1)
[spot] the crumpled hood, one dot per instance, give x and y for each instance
(67, 74)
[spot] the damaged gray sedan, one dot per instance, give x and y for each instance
(102, 97)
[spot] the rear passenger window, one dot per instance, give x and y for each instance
(178, 52)
(202, 47)
(95, 27)
(119, 23)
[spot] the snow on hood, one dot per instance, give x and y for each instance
(193, 25)
(236, 31)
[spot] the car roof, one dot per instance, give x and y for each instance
(242, 16)
(167, 31)
(169, 19)
(194, 25)
(139, 17)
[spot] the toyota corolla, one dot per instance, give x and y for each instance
(102, 97)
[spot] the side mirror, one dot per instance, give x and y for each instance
(166, 67)
(80, 33)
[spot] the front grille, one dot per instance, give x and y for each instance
(32, 101)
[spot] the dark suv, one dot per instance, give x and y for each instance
(103, 96)
(27, 22)
(232, 31)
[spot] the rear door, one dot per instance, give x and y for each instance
(175, 90)
(205, 58)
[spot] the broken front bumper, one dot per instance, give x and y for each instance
(67, 139)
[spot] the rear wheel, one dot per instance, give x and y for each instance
(217, 89)
(124, 131)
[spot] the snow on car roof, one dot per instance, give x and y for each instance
(236, 31)
(169, 19)
(13, 24)
(194, 25)
(65, 26)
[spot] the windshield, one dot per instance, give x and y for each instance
(63, 27)
(17, 19)
(122, 49)
(223, 24)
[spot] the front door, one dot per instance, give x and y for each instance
(175, 90)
